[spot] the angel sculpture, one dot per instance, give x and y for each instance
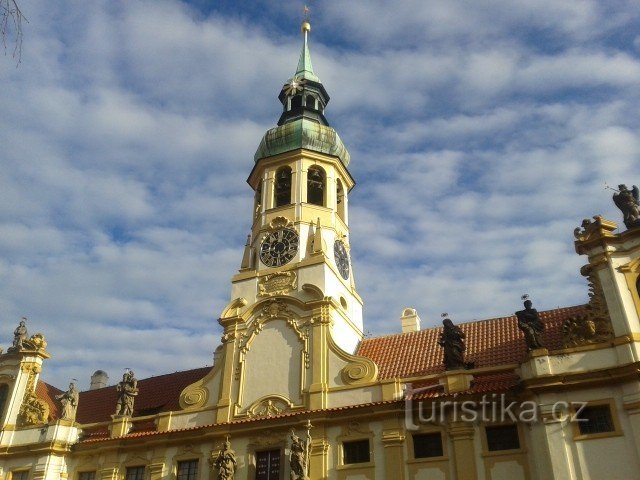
(628, 201)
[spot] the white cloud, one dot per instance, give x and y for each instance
(481, 135)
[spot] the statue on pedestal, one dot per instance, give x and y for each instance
(628, 201)
(19, 336)
(299, 455)
(225, 462)
(69, 402)
(127, 391)
(531, 325)
(452, 340)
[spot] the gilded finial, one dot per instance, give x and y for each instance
(306, 25)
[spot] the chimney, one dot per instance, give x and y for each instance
(99, 380)
(410, 320)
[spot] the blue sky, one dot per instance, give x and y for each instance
(481, 134)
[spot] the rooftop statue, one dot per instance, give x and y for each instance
(19, 336)
(531, 325)
(225, 462)
(69, 402)
(127, 391)
(452, 340)
(628, 202)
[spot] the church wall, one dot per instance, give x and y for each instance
(274, 365)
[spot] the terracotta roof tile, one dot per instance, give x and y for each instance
(493, 342)
(157, 394)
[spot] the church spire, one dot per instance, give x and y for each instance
(305, 69)
(304, 96)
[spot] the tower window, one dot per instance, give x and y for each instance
(282, 188)
(296, 102)
(311, 102)
(315, 186)
(258, 199)
(341, 200)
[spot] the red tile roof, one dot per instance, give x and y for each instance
(157, 394)
(48, 393)
(493, 342)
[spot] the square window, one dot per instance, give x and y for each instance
(135, 473)
(502, 437)
(87, 476)
(187, 470)
(356, 452)
(595, 419)
(268, 465)
(21, 475)
(427, 445)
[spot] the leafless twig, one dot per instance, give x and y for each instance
(11, 18)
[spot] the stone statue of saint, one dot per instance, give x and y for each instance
(69, 402)
(299, 456)
(628, 201)
(226, 462)
(127, 391)
(19, 336)
(531, 325)
(452, 340)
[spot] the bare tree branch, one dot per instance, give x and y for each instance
(11, 19)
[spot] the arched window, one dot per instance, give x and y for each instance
(282, 188)
(257, 204)
(4, 393)
(296, 102)
(341, 200)
(315, 186)
(311, 102)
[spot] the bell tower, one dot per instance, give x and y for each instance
(299, 240)
(294, 320)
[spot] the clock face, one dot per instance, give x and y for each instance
(342, 258)
(279, 247)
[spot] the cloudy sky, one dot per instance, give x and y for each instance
(481, 134)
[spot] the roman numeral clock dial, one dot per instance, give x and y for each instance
(279, 247)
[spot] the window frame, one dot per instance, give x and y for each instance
(81, 473)
(187, 460)
(615, 421)
(343, 451)
(132, 467)
(515, 451)
(426, 434)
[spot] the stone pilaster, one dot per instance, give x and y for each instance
(393, 442)
(552, 435)
(464, 454)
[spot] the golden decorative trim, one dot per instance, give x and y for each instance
(359, 370)
(603, 376)
(269, 406)
(33, 411)
(280, 222)
(279, 283)
(595, 325)
(591, 232)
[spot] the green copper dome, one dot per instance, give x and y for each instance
(302, 133)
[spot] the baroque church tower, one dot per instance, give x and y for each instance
(295, 318)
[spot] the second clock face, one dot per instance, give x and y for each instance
(279, 247)
(342, 258)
